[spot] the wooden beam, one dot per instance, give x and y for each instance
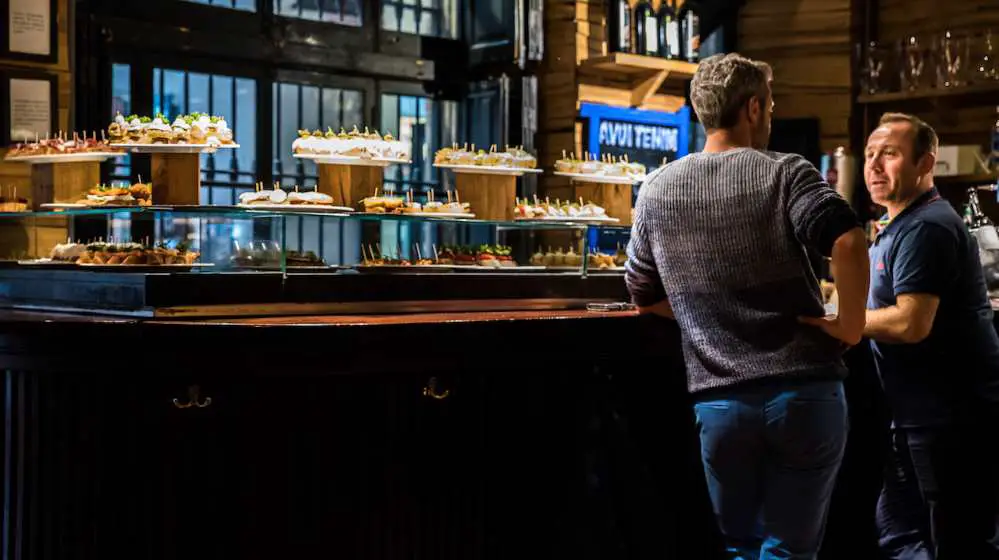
(646, 88)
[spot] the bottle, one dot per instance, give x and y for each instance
(646, 33)
(669, 31)
(690, 33)
(619, 26)
(994, 160)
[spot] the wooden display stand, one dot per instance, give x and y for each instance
(176, 178)
(63, 182)
(491, 197)
(349, 184)
(614, 198)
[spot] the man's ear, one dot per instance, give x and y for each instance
(754, 110)
(926, 163)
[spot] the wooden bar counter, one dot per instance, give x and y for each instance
(467, 436)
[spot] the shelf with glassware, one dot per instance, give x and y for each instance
(918, 67)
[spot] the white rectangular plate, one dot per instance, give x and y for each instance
(576, 219)
(295, 207)
(352, 160)
(484, 170)
(173, 148)
(606, 179)
(66, 158)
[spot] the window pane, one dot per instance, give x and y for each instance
(198, 99)
(310, 109)
(436, 18)
(171, 99)
(331, 108)
(222, 105)
(290, 123)
(244, 5)
(408, 24)
(353, 108)
(243, 122)
(121, 102)
(343, 12)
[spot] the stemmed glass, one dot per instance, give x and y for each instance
(914, 60)
(873, 69)
(953, 59)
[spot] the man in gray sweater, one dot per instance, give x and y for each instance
(720, 243)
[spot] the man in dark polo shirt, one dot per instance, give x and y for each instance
(930, 323)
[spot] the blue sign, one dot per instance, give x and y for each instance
(644, 136)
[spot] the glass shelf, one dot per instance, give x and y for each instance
(234, 239)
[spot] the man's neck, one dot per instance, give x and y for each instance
(722, 140)
(897, 208)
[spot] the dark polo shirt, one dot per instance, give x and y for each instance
(927, 249)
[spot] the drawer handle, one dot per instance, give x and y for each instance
(193, 399)
(431, 390)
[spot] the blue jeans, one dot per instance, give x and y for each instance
(940, 498)
(771, 456)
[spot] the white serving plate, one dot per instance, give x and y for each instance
(295, 207)
(173, 148)
(590, 178)
(436, 214)
(352, 160)
(574, 219)
(484, 170)
(66, 158)
(63, 205)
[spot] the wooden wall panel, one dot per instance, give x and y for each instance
(807, 42)
(19, 174)
(900, 18)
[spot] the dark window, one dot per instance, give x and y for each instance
(426, 125)
(303, 107)
(228, 171)
(344, 12)
(121, 102)
(435, 18)
(244, 5)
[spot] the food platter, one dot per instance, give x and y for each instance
(81, 157)
(606, 179)
(573, 219)
(489, 170)
(304, 208)
(164, 148)
(332, 159)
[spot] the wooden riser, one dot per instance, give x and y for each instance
(615, 199)
(176, 178)
(492, 197)
(348, 185)
(63, 182)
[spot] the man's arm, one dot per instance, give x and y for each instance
(909, 321)
(923, 268)
(641, 274)
(825, 222)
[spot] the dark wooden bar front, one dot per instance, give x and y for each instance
(448, 436)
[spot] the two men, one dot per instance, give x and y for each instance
(937, 353)
(719, 242)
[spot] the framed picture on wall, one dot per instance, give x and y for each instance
(29, 30)
(30, 106)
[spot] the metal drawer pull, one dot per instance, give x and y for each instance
(193, 399)
(431, 390)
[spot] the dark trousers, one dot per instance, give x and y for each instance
(771, 455)
(940, 498)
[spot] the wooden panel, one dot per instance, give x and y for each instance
(490, 196)
(176, 178)
(348, 185)
(19, 174)
(63, 182)
(615, 199)
(810, 56)
(900, 18)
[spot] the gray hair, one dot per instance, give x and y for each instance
(723, 84)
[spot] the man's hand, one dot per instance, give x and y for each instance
(834, 328)
(662, 309)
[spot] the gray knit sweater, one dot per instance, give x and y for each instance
(723, 236)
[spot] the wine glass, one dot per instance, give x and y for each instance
(953, 59)
(873, 68)
(914, 61)
(983, 66)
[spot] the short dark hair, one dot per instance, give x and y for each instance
(722, 84)
(926, 140)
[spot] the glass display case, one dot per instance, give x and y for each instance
(208, 256)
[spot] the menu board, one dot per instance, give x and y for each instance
(29, 27)
(31, 109)
(648, 137)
